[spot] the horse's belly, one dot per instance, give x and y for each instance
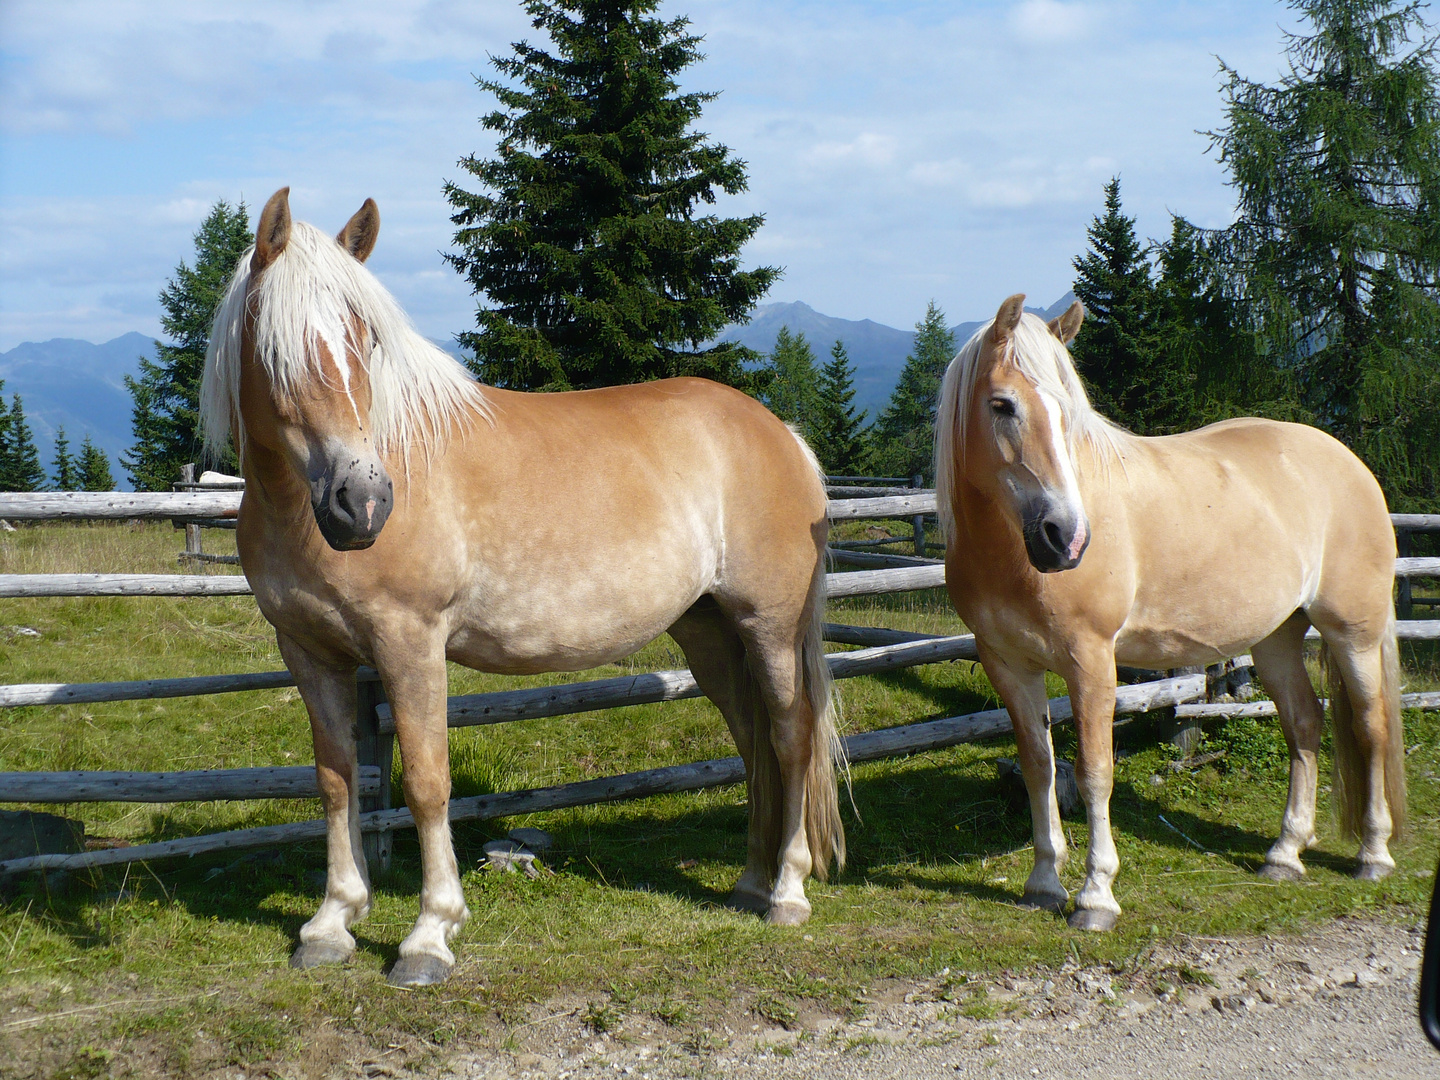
(570, 622)
(1181, 641)
(531, 650)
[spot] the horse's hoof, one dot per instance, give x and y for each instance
(1045, 902)
(1092, 919)
(743, 900)
(1280, 872)
(418, 971)
(313, 954)
(1369, 871)
(788, 913)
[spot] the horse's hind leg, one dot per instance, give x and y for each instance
(716, 657)
(1369, 743)
(412, 665)
(329, 696)
(1022, 689)
(1280, 663)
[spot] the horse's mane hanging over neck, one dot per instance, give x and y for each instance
(1045, 361)
(418, 392)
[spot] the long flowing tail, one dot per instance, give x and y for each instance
(1352, 778)
(823, 827)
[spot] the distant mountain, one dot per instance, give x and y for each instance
(877, 351)
(80, 386)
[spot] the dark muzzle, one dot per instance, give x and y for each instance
(1055, 536)
(351, 504)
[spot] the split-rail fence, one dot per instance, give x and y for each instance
(881, 650)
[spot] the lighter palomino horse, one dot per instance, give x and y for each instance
(385, 490)
(1073, 545)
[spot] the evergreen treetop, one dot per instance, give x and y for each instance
(792, 385)
(838, 431)
(902, 438)
(593, 266)
(1336, 246)
(165, 396)
(94, 468)
(20, 468)
(67, 476)
(1130, 378)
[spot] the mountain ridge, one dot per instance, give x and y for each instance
(81, 385)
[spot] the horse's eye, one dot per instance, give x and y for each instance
(1002, 406)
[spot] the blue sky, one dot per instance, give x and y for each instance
(901, 150)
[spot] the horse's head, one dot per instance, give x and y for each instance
(314, 409)
(1016, 447)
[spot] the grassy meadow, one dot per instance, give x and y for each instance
(180, 966)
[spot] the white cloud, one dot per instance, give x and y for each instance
(1051, 21)
(900, 150)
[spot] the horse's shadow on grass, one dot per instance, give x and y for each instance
(917, 819)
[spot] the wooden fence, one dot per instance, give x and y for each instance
(881, 650)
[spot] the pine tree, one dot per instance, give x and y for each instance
(21, 459)
(902, 439)
(164, 413)
(792, 387)
(1336, 245)
(594, 267)
(67, 478)
(838, 439)
(1129, 378)
(94, 468)
(1198, 327)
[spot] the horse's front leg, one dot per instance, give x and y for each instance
(1092, 699)
(412, 666)
(329, 695)
(1022, 689)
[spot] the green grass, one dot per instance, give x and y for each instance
(177, 967)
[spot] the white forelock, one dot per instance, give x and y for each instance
(419, 393)
(1043, 359)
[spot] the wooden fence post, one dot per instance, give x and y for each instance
(917, 523)
(192, 531)
(1403, 606)
(1185, 732)
(373, 748)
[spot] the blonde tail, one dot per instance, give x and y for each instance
(823, 827)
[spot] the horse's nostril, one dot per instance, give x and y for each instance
(1053, 537)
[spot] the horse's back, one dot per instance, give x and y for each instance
(1233, 527)
(634, 501)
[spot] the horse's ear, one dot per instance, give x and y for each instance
(1066, 326)
(358, 235)
(273, 231)
(1007, 318)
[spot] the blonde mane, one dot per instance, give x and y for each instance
(419, 393)
(1045, 361)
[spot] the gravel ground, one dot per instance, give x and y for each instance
(1338, 1001)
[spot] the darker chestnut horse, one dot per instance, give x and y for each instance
(1073, 545)
(385, 490)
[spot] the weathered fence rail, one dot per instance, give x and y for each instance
(881, 650)
(872, 745)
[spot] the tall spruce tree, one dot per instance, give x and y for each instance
(838, 431)
(792, 385)
(585, 246)
(94, 468)
(20, 468)
(67, 476)
(165, 397)
(1336, 244)
(903, 436)
(1130, 379)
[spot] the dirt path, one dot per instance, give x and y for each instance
(1339, 1001)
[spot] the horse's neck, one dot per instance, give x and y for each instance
(269, 477)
